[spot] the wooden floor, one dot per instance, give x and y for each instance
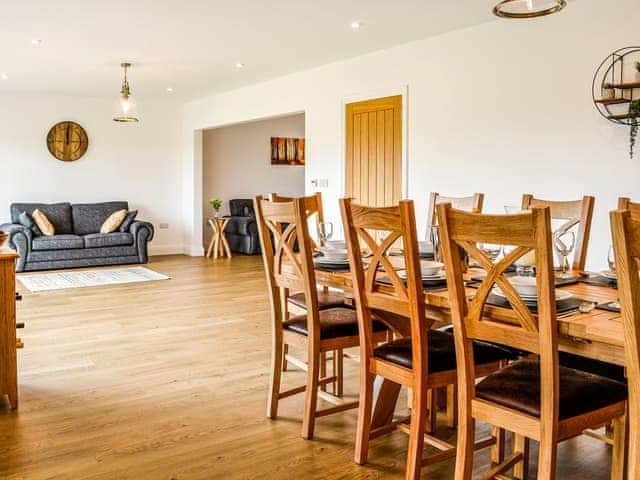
(168, 380)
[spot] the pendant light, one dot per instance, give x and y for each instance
(528, 8)
(126, 111)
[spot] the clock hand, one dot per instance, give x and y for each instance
(67, 136)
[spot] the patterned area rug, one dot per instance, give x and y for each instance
(42, 282)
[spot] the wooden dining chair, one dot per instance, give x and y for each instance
(470, 203)
(576, 210)
(420, 358)
(625, 203)
(317, 331)
(534, 398)
(625, 230)
(297, 303)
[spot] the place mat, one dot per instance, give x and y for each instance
(428, 285)
(609, 307)
(423, 255)
(600, 281)
(562, 306)
(328, 267)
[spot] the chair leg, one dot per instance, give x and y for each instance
(521, 444)
(432, 407)
(276, 376)
(323, 369)
(365, 413)
(547, 458)
(311, 397)
(420, 416)
(452, 405)
(465, 445)
(619, 455)
(338, 360)
(497, 451)
(285, 352)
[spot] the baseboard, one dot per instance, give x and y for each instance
(193, 250)
(165, 249)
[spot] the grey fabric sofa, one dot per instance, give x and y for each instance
(242, 230)
(78, 241)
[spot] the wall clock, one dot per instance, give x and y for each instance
(67, 141)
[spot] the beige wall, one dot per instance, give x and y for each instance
(236, 163)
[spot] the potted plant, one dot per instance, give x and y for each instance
(634, 119)
(216, 204)
(608, 90)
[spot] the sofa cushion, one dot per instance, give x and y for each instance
(98, 240)
(112, 224)
(43, 223)
(57, 242)
(58, 213)
(128, 220)
(89, 217)
(26, 221)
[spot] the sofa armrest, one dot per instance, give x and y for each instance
(20, 239)
(142, 234)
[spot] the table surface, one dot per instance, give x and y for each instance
(597, 334)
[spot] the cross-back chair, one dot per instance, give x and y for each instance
(297, 304)
(281, 225)
(625, 203)
(535, 399)
(625, 229)
(580, 211)
(421, 359)
(469, 203)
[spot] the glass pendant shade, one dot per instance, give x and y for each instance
(528, 8)
(126, 110)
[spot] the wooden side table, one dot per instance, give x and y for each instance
(8, 340)
(218, 245)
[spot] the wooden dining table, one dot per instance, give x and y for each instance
(597, 334)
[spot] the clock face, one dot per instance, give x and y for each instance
(67, 141)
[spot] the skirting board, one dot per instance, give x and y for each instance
(165, 249)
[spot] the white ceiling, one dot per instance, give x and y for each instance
(193, 45)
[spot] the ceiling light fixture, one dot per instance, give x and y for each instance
(4, 76)
(36, 41)
(528, 8)
(126, 110)
(356, 25)
(170, 89)
(239, 65)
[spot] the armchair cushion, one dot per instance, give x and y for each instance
(241, 207)
(57, 242)
(242, 225)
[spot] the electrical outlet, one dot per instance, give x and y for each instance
(314, 182)
(164, 226)
(323, 182)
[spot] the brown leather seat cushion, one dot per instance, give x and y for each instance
(518, 386)
(604, 369)
(334, 323)
(327, 299)
(442, 352)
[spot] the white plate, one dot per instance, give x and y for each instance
(525, 286)
(329, 261)
(425, 247)
(610, 274)
(560, 295)
(437, 276)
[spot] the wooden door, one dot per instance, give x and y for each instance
(374, 151)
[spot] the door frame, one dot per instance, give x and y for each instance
(373, 95)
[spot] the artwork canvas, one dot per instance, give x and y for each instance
(287, 151)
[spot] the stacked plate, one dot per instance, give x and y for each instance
(333, 255)
(610, 274)
(527, 289)
(430, 271)
(425, 248)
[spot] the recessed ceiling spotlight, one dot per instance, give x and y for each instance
(239, 65)
(356, 25)
(4, 76)
(36, 42)
(170, 89)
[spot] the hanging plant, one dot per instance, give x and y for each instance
(634, 115)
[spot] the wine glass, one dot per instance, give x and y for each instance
(611, 260)
(325, 232)
(491, 250)
(435, 241)
(564, 242)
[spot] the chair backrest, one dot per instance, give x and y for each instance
(574, 210)
(626, 204)
(472, 203)
(524, 232)
(281, 225)
(625, 230)
(379, 228)
(313, 203)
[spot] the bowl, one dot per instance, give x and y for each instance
(337, 244)
(525, 285)
(431, 268)
(329, 253)
(425, 247)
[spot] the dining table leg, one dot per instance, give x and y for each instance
(386, 395)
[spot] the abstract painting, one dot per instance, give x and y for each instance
(287, 151)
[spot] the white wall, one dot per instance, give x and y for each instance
(237, 162)
(503, 107)
(135, 162)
